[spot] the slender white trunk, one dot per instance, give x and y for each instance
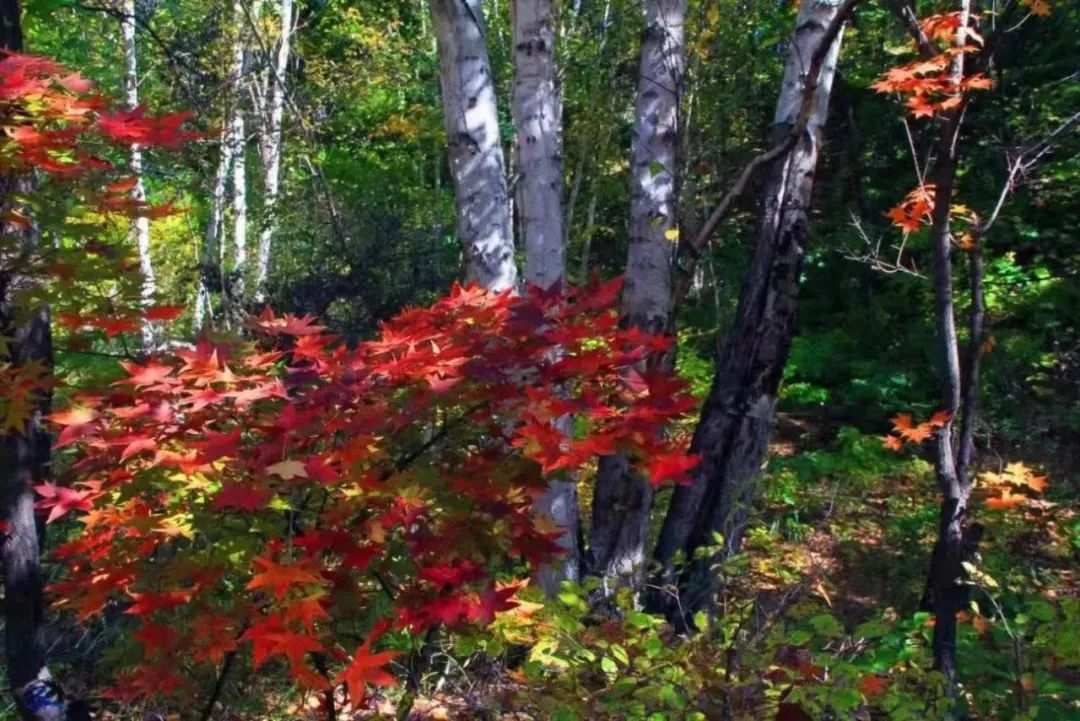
(140, 225)
(214, 243)
(236, 290)
(474, 143)
(214, 231)
(272, 150)
(537, 113)
(238, 134)
(623, 497)
(653, 221)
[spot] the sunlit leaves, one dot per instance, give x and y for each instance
(906, 430)
(928, 85)
(1011, 487)
(364, 470)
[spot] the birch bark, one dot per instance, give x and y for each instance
(474, 143)
(623, 498)
(141, 224)
(214, 241)
(271, 150)
(537, 114)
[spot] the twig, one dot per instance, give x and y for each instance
(219, 685)
(689, 253)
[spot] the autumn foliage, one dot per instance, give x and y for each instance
(60, 135)
(296, 496)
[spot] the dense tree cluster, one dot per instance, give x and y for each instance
(629, 359)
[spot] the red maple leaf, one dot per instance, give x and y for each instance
(366, 668)
(143, 376)
(242, 497)
(281, 577)
(62, 500)
(674, 466)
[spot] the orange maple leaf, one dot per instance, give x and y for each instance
(940, 419)
(892, 443)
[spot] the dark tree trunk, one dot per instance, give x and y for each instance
(24, 455)
(736, 423)
(953, 456)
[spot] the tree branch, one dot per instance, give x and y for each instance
(690, 252)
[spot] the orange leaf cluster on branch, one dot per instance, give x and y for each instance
(927, 83)
(1012, 487)
(390, 483)
(905, 430)
(916, 210)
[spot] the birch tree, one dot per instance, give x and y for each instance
(537, 113)
(214, 243)
(271, 148)
(474, 143)
(737, 419)
(140, 225)
(623, 498)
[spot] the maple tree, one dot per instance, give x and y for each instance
(332, 476)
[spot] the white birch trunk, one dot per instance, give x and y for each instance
(474, 143)
(272, 150)
(140, 225)
(214, 243)
(237, 135)
(537, 114)
(214, 230)
(236, 291)
(653, 221)
(623, 497)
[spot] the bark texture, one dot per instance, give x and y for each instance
(623, 497)
(537, 113)
(474, 143)
(140, 226)
(956, 539)
(736, 422)
(213, 273)
(236, 289)
(23, 456)
(271, 149)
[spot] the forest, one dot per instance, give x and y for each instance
(519, 360)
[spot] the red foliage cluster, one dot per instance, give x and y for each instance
(298, 496)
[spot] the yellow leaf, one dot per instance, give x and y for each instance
(672, 234)
(288, 470)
